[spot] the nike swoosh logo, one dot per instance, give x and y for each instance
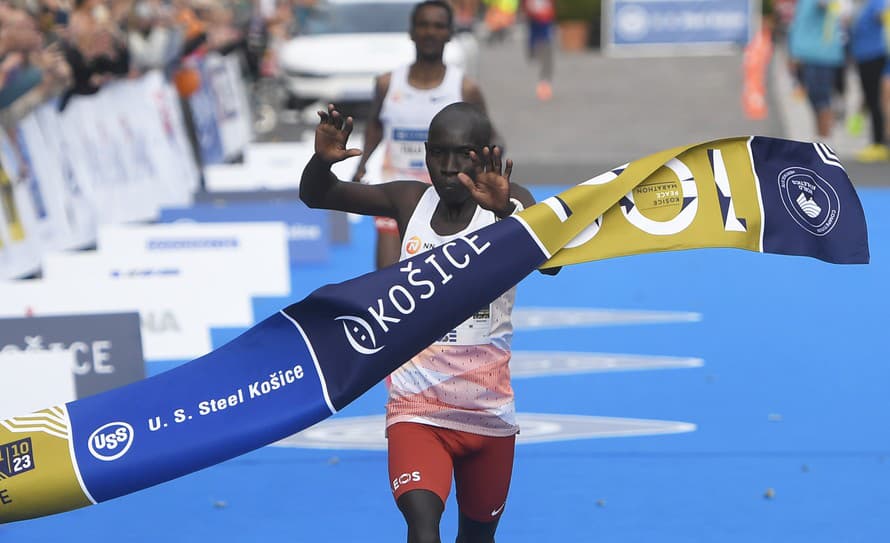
(497, 511)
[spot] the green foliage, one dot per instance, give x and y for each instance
(577, 10)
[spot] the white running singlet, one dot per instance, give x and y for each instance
(406, 114)
(462, 381)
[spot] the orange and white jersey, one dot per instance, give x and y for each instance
(462, 381)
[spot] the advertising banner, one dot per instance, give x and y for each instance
(203, 106)
(338, 221)
(313, 358)
(19, 253)
(176, 314)
(668, 27)
(27, 192)
(255, 250)
(307, 229)
(233, 177)
(219, 272)
(232, 111)
(79, 355)
(55, 158)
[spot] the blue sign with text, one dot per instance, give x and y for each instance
(687, 23)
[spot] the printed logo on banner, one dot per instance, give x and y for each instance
(632, 22)
(107, 348)
(421, 280)
(111, 441)
(359, 335)
(810, 200)
(16, 458)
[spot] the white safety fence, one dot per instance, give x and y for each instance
(114, 157)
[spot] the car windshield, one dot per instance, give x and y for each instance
(352, 17)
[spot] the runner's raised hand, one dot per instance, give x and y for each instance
(331, 136)
(490, 184)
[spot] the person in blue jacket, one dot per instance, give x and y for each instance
(816, 43)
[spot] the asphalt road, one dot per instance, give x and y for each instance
(608, 111)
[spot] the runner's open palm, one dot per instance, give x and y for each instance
(331, 136)
(490, 185)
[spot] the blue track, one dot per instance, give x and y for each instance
(793, 396)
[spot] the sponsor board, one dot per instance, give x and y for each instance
(176, 314)
(307, 229)
(338, 229)
(217, 271)
(257, 252)
(102, 352)
(279, 166)
(665, 27)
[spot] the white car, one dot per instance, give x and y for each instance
(345, 44)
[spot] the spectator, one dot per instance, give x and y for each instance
(30, 72)
(405, 101)
(95, 48)
(868, 49)
(815, 42)
(540, 15)
(153, 38)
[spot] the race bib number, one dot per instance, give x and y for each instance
(474, 331)
(406, 149)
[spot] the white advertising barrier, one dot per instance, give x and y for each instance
(42, 132)
(112, 157)
(19, 252)
(232, 109)
(279, 166)
(238, 177)
(38, 164)
(90, 127)
(27, 192)
(176, 314)
(257, 253)
(34, 380)
(136, 196)
(221, 271)
(176, 173)
(291, 156)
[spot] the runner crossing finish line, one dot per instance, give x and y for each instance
(313, 358)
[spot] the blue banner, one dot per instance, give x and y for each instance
(314, 357)
(687, 23)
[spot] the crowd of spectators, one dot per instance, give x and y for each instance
(64, 48)
(825, 37)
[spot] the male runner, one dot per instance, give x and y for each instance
(450, 410)
(405, 101)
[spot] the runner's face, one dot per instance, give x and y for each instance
(430, 32)
(447, 154)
